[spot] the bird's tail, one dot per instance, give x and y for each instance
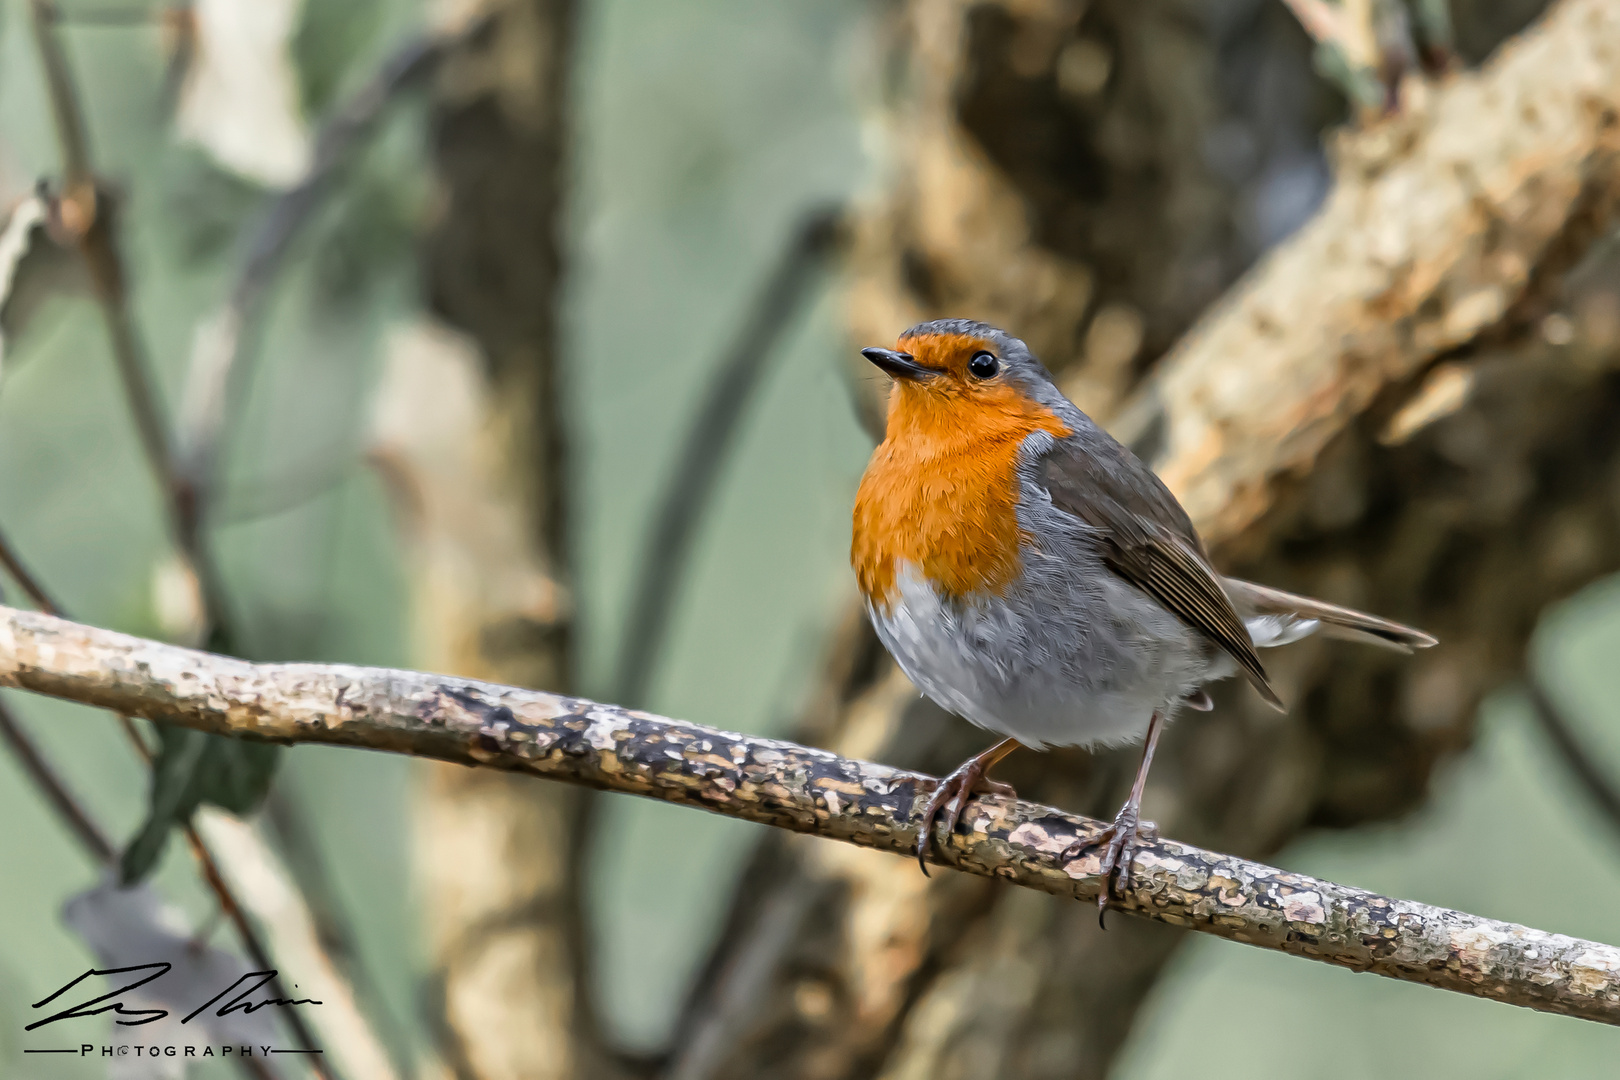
(1275, 617)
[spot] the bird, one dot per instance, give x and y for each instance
(1030, 574)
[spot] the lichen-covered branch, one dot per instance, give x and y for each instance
(804, 790)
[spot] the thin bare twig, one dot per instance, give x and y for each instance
(85, 214)
(703, 455)
(30, 585)
(26, 581)
(51, 785)
(1576, 756)
(804, 790)
(65, 111)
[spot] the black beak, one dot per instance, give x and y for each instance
(898, 364)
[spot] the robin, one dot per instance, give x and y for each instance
(1031, 575)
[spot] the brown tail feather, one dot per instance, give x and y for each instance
(1341, 622)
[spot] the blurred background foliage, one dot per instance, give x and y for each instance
(703, 130)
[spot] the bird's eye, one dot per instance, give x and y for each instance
(983, 365)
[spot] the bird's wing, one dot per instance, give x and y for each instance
(1148, 540)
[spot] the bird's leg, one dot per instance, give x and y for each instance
(1128, 828)
(952, 793)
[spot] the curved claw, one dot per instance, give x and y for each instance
(1127, 829)
(952, 794)
(1120, 839)
(944, 796)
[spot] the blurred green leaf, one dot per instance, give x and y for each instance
(1359, 84)
(208, 207)
(366, 235)
(193, 768)
(34, 271)
(331, 36)
(1433, 24)
(367, 240)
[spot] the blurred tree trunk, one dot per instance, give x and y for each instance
(1092, 176)
(472, 431)
(1085, 171)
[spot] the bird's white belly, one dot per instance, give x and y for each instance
(1061, 659)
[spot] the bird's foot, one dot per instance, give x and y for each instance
(950, 796)
(1119, 840)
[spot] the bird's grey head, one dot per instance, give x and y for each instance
(964, 360)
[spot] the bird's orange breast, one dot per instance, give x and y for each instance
(941, 492)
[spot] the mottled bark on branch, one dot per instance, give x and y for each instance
(803, 790)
